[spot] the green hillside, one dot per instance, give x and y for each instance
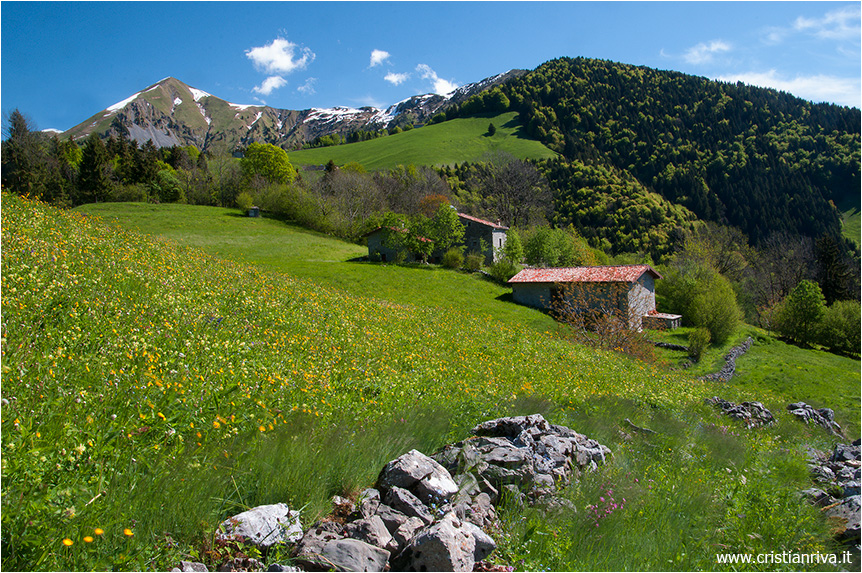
(447, 143)
(152, 389)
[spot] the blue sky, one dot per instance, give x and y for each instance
(64, 61)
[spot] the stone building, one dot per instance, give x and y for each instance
(626, 289)
(478, 230)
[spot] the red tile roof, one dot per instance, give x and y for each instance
(615, 274)
(483, 222)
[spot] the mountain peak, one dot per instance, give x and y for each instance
(170, 112)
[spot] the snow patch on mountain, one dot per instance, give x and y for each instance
(201, 109)
(199, 94)
(121, 104)
(241, 107)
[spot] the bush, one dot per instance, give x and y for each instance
(698, 341)
(799, 316)
(473, 262)
(703, 297)
(841, 325)
(244, 201)
(503, 270)
(453, 259)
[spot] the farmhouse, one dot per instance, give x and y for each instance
(380, 248)
(478, 231)
(480, 236)
(626, 289)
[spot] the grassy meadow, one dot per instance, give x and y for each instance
(153, 387)
(447, 143)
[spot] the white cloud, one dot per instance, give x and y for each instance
(441, 86)
(840, 24)
(396, 79)
(817, 88)
(280, 57)
(378, 57)
(308, 87)
(269, 85)
(702, 53)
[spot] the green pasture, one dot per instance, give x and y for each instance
(447, 143)
(165, 367)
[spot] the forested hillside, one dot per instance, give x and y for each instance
(753, 158)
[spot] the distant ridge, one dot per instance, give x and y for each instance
(171, 112)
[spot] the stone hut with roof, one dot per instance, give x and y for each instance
(477, 231)
(625, 289)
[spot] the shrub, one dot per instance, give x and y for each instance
(799, 316)
(473, 262)
(841, 327)
(503, 270)
(453, 259)
(594, 321)
(244, 201)
(698, 340)
(703, 297)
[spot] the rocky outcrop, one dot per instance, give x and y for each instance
(263, 526)
(429, 513)
(823, 417)
(729, 369)
(754, 414)
(837, 477)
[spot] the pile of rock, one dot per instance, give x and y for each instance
(427, 513)
(837, 475)
(729, 369)
(754, 414)
(824, 417)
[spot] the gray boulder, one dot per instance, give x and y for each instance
(823, 417)
(354, 555)
(443, 546)
(423, 476)
(373, 531)
(393, 519)
(310, 547)
(190, 566)
(847, 515)
(405, 502)
(369, 501)
(263, 526)
(406, 531)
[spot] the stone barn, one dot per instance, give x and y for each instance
(625, 289)
(380, 249)
(478, 230)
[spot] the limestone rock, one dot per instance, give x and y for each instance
(823, 417)
(753, 414)
(355, 555)
(373, 531)
(423, 476)
(310, 547)
(443, 546)
(402, 500)
(263, 526)
(189, 566)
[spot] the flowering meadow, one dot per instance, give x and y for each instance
(150, 391)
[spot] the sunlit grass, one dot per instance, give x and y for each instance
(150, 390)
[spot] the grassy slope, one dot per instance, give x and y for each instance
(132, 367)
(777, 373)
(296, 251)
(446, 143)
(851, 218)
